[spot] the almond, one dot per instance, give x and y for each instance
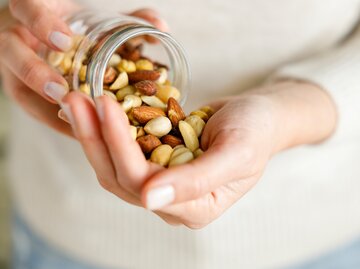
(146, 87)
(143, 114)
(110, 75)
(174, 112)
(148, 143)
(171, 140)
(143, 75)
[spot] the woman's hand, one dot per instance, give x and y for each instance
(240, 138)
(26, 78)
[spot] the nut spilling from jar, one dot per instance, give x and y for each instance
(141, 86)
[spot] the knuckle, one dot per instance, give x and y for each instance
(38, 22)
(88, 139)
(108, 185)
(29, 72)
(13, 5)
(4, 41)
(20, 95)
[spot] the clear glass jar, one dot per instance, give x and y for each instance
(104, 33)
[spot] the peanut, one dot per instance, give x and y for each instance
(161, 155)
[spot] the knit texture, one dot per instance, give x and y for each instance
(307, 202)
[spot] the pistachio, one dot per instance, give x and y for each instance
(121, 81)
(159, 126)
(161, 155)
(189, 135)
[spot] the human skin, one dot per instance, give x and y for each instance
(241, 137)
(26, 78)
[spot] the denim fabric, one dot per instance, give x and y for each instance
(347, 257)
(31, 252)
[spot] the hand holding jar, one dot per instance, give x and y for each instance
(28, 25)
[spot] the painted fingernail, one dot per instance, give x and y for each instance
(68, 114)
(100, 108)
(62, 116)
(55, 91)
(159, 197)
(61, 41)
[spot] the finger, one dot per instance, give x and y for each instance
(131, 166)
(220, 164)
(30, 69)
(32, 103)
(43, 21)
(82, 114)
(154, 18)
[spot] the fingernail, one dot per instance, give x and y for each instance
(67, 111)
(159, 197)
(62, 116)
(99, 108)
(61, 41)
(55, 91)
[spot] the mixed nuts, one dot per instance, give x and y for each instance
(141, 86)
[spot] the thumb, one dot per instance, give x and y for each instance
(43, 21)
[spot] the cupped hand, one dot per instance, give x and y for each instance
(27, 79)
(239, 139)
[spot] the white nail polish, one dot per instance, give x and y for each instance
(61, 41)
(100, 109)
(67, 111)
(55, 91)
(159, 197)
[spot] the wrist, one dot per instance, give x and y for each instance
(304, 113)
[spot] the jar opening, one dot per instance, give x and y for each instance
(179, 68)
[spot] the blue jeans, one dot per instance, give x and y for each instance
(31, 252)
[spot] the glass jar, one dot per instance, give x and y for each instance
(102, 34)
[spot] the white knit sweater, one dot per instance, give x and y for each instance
(307, 203)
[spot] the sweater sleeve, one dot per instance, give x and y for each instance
(337, 71)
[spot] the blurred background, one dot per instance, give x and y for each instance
(4, 197)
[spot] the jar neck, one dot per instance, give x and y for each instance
(179, 73)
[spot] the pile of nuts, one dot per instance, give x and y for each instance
(157, 122)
